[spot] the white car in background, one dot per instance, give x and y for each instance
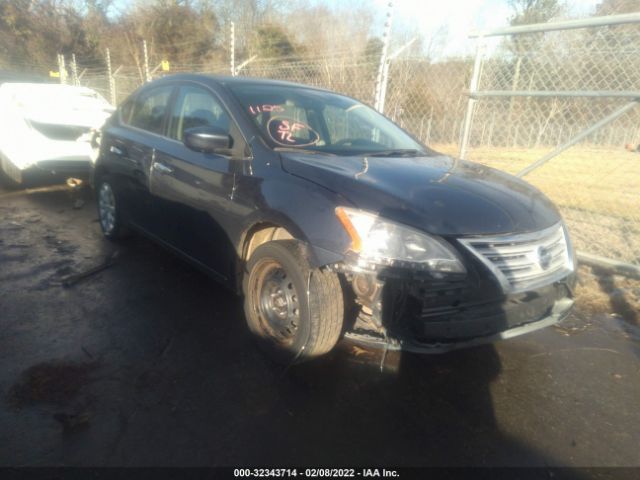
(47, 129)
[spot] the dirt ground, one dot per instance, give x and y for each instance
(148, 362)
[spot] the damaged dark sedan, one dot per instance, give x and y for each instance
(331, 220)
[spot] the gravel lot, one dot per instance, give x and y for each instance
(148, 362)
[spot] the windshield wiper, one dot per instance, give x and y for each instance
(301, 150)
(403, 152)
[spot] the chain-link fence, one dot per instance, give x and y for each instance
(534, 91)
(426, 98)
(575, 87)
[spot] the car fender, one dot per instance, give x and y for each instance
(307, 212)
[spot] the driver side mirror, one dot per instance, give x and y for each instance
(207, 139)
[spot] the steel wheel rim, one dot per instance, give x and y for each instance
(107, 208)
(276, 301)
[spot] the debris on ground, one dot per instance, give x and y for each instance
(71, 280)
(387, 362)
(572, 326)
(76, 185)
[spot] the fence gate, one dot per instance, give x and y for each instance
(558, 103)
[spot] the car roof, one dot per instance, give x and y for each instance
(227, 80)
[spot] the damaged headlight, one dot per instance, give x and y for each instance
(380, 241)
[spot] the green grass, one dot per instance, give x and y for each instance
(597, 180)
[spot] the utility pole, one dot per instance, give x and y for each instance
(112, 82)
(147, 73)
(232, 48)
(383, 70)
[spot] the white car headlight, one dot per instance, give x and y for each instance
(380, 241)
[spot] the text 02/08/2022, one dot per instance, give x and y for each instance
(315, 472)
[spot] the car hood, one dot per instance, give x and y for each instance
(90, 118)
(436, 194)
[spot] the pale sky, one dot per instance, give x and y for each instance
(459, 17)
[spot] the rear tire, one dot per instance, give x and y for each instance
(109, 214)
(289, 324)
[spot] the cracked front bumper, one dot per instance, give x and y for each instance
(559, 311)
(436, 316)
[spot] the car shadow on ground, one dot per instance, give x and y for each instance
(618, 298)
(149, 362)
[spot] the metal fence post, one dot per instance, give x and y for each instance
(385, 74)
(383, 88)
(112, 83)
(63, 70)
(59, 67)
(232, 49)
(383, 68)
(147, 73)
(473, 86)
(74, 70)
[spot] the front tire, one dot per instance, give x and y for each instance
(109, 214)
(295, 311)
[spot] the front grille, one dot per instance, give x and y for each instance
(525, 261)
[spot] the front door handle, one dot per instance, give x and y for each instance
(162, 168)
(116, 150)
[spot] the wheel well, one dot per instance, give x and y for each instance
(97, 173)
(260, 234)
(256, 236)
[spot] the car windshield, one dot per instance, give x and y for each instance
(314, 120)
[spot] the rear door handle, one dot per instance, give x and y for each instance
(162, 168)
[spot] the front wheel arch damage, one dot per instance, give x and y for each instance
(362, 292)
(367, 310)
(263, 232)
(253, 237)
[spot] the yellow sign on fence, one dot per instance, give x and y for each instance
(165, 65)
(54, 74)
